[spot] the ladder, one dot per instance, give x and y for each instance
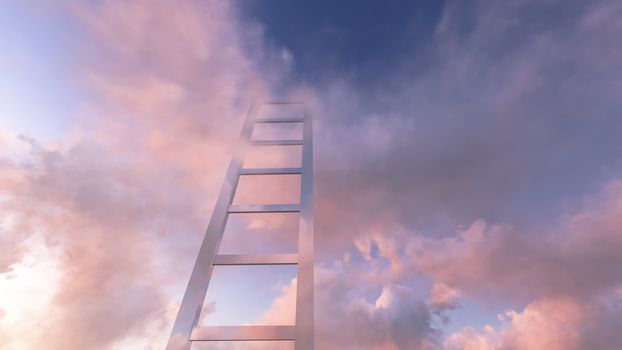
(185, 329)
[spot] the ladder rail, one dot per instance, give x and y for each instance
(304, 288)
(194, 296)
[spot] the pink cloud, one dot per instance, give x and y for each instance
(127, 203)
(575, 258)
(283, 308)
(566, 276)
(351, 315)
(546, 324)
(443, 296)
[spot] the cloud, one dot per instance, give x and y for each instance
(125, 204)
(443, 297)
(283, 308)
(549, 324)
(499, 128)
(508, 116)
(559, 323)
(347, 319)
(576, 258)
(565, 276)
(489, 121)
(106, 287)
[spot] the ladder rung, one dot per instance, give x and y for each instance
(281, 120)
(265, 208)
(270, 171)
(276, 102)
(277, 142)
(262, 259)
(248, 333)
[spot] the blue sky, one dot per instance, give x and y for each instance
(358, 39)
(39, 88)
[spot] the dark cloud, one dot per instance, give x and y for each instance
(351, 315)
(510, 121)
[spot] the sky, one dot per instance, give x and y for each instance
(468, 170)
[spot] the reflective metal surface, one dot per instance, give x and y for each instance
(304, 293)
(258, 259)
(265, 208)
(278, 143)
(281, 120)
(192, 302)
(271, 171)
(248, 333)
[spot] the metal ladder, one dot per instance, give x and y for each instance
(185, 330)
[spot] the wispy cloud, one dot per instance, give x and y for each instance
(126, 202)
